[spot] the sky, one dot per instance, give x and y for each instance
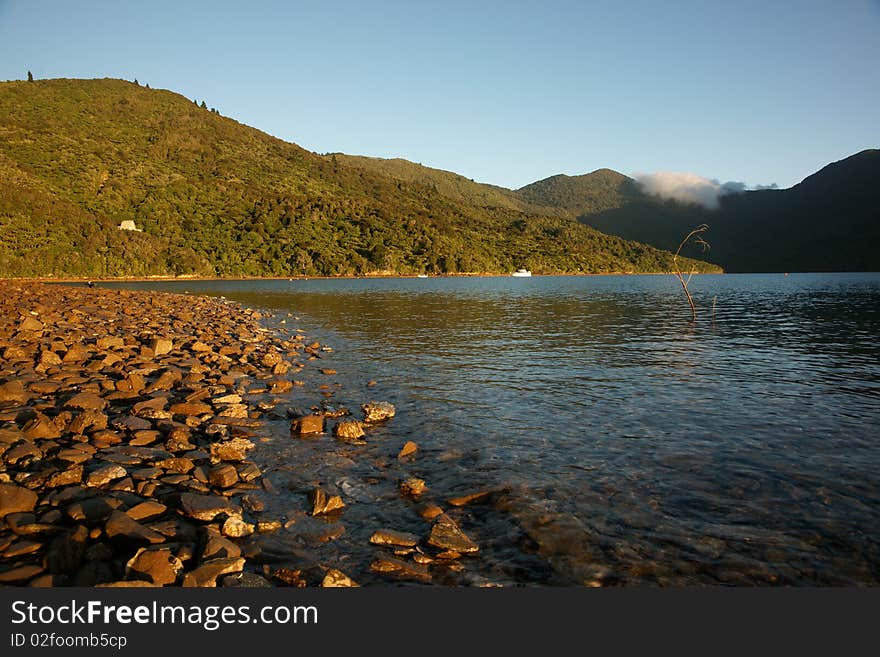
(507, 93)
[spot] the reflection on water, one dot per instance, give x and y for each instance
(627, 444)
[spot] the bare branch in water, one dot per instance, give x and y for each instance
(696, 236)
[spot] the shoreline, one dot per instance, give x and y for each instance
(127, 419)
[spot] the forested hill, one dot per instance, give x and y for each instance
(214, 197)
(828, 222)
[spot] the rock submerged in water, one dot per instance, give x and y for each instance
(377, 411)
(394, 538)
(447, 535)
(413, 487)
(409, 448)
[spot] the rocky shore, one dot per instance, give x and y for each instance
(127, 425)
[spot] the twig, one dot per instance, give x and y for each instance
(696, 235)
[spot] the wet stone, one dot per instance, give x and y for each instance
(413, 487)
(337, 579)
(322, 503)
(391, 537)
(307, 424)
(400, 568)
(409, 448)
(447, 535)
(378, 411)
(349, 430)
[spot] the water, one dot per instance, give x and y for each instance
(625, 443)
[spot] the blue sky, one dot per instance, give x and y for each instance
(502, 92)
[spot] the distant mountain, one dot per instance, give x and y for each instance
(211, 196)
(828, 222)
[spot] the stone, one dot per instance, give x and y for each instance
(191, 408)
(470, 498)
(40, 426)
(87, 401)
(447, 535)
(349, 430)
(200, 347)
(206, 575)
(30, 324)
(235, 449)
(248, 471)
(429, 511)
(219, 547)
(280, 386)
(121, 527)
(105, 475)
(413, 486)
(65, 477)
(108, 342)
(223, 476)
(322, 503)
(148, 510)
(207, 507)
(307, 424)
(235, 527)
(391, 537)
(161, 346)
(290, 577)
(327, 371)
(377, 411)
(20, 574)
(400, 568)
(157, 566)
(178, 464)
(245, 581)
(93, 509)
(264, 526)
(88, 421)
(16, 499)
(409, 448)
(13, 391)
(337, 579)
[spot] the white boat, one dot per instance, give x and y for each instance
(521, 273)
(422, 276)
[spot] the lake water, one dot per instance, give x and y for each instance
(626, 444)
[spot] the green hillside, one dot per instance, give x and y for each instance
(587, 194)
(214, 197)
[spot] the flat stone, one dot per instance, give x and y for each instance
(337, 579)
(391, 537)
(16, 499)
(206, 575)
(470, 498)
(40, 426)
(93, 509)
(65, 477)
(87, 401)
(219, 547)
(307, 424)
(120, 526)
(178, 464)
(105, 475)
(148, 510)
(158, 566)
(207, 507)
(400, 568)
(20, 574)
(447, 535)
(429, 511)
(161, 346)
(13, 391)
(191, 408)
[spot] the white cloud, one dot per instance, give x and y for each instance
(689, 187)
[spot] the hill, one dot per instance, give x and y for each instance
(828, 222)
(215, 197)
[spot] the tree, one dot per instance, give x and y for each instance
(136, 82)
(204, 105)
(30, 77)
